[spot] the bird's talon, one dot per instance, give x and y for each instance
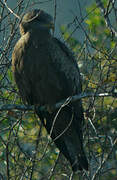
(49, 108)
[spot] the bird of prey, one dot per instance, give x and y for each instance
(46, 72)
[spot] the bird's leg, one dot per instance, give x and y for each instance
(38, 111)
(49, 108)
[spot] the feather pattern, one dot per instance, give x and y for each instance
(46, 72)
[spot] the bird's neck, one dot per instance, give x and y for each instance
(36, 33)
(40, 34)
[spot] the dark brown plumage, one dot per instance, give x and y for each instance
(46, 72)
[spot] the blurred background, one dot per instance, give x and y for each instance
(89, 29)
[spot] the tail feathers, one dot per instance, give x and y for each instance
(83, 161)
(80, 163)
(77, 156)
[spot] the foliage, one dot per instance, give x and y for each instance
(26, 151)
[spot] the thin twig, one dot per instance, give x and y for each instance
(106, 17)
(104, 161)
(36, 148)
(12, 12)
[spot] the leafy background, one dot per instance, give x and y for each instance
(26, 150)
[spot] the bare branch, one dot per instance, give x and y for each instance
(71, 99)
(12, 12)
(106, 17)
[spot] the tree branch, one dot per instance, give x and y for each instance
(106, 17)
(63, 103)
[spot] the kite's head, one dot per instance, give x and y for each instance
(36, 19)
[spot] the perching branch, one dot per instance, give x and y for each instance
(70, 99)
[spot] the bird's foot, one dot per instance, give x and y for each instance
(49, 108)
(38, 110)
